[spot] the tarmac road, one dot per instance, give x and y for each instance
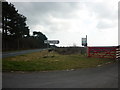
(101, 77)
(9, 54)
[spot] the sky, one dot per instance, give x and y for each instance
(69, 20)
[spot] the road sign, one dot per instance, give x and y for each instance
(52, 41)
(84, 41)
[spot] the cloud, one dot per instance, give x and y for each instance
(104, 12)
(46, 14)
(106, 23)
(69, 22)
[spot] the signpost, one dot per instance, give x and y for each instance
(51, 42)
(84, 41)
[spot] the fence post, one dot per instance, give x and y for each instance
(118, 53)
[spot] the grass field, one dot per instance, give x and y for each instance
(45, 61)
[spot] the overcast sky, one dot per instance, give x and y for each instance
(68, 22)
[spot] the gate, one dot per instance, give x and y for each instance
(102, 52)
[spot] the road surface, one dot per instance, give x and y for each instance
(9, 54)
(100, 77)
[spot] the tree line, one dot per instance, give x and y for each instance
(16, 33)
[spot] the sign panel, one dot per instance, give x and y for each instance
(52, 41)
(84, 41)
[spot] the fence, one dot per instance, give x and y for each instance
(103, 52)
(118, 53)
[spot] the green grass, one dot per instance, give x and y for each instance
(44, 61)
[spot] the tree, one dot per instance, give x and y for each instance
(8, 12)
(13, 24)
(40, 37)
(15, 32)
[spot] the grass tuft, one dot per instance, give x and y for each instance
(45, 61)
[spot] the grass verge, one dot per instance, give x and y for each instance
(45, 61)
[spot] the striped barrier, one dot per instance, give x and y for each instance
(118, 53)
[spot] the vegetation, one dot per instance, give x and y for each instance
(45, 61)
(15, 32)
(70, 50)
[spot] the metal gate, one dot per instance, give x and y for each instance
(102, 52)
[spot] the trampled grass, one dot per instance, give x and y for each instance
(45, 61)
